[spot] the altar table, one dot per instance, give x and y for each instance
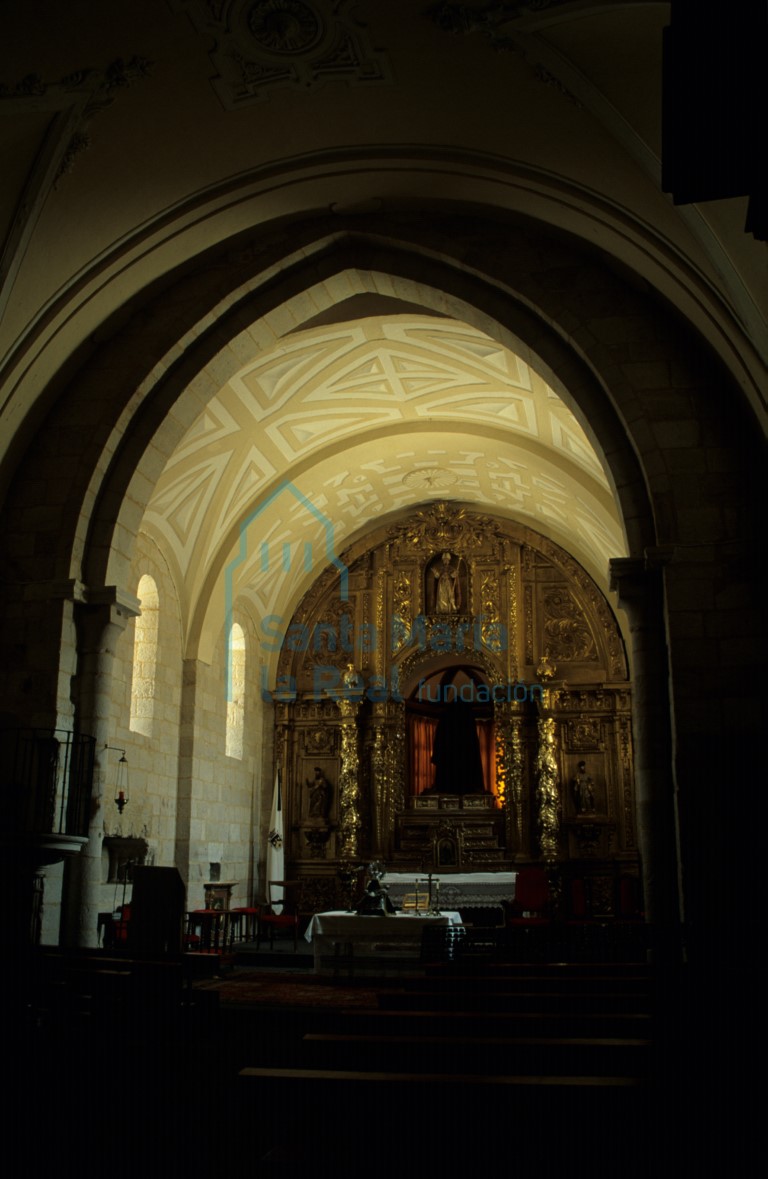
(371, 945)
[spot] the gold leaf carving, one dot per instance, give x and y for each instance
(442, 526)
(547, 795)
(567, 637)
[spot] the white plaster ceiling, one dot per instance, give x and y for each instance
(365, 419)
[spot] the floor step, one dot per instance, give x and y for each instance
(568, 1056)
(441, 1080)
(543, 1002)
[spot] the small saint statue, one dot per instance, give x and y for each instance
(448, 591)
(319, 795)
(353, 681)
(583, 790)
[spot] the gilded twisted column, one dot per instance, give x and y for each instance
(547, 796)
(349, 786)
(396, 762)
(509, 773)
(379, 789)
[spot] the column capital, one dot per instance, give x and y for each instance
(71, 589)
(635, 579)
(659, 555)
(120, 602)
(66, 589)
(104, 610)
(348, 706)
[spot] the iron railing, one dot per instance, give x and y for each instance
(47, 777)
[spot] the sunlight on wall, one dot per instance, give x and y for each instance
(236, 706)
(145, 658)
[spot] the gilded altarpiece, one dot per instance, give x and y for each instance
(519, 624)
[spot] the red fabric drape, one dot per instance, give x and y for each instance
(487, 737)
(421, 736)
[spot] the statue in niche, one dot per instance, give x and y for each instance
(319, 795)
(583, 790)
(446, 585)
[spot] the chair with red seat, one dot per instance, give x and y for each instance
(532, 898)
(118, 935)
(280, 914)
(245, 922)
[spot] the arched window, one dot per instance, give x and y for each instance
(145, 658)
(236, 701)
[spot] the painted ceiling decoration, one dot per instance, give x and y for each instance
(263, 46)
(366, 419)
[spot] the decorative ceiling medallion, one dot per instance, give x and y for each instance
(430, 478)
(266, 45)
(284, 26)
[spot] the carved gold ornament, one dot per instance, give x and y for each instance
(349, 790)
(547, 795)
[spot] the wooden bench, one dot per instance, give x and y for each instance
(497, 1023)
(574, 1055)
(514, 1001)
(409, 1122)
(443, 1080)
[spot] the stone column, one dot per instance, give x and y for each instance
(639, 584)
(100, 619)
(189, 693)
(284, 770)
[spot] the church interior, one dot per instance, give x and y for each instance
(382, 453)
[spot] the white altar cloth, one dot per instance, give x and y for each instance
(378, 945)
(456, 888)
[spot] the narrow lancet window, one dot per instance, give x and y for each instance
(236, 700)
(145, 658)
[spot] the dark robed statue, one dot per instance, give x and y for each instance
(456, 752)
(375, 901)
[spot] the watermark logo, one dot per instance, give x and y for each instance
(286, 556)
(341, 641)
(472, 693)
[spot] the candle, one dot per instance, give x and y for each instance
(120, 795)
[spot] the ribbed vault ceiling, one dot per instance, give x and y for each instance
(365, 419)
